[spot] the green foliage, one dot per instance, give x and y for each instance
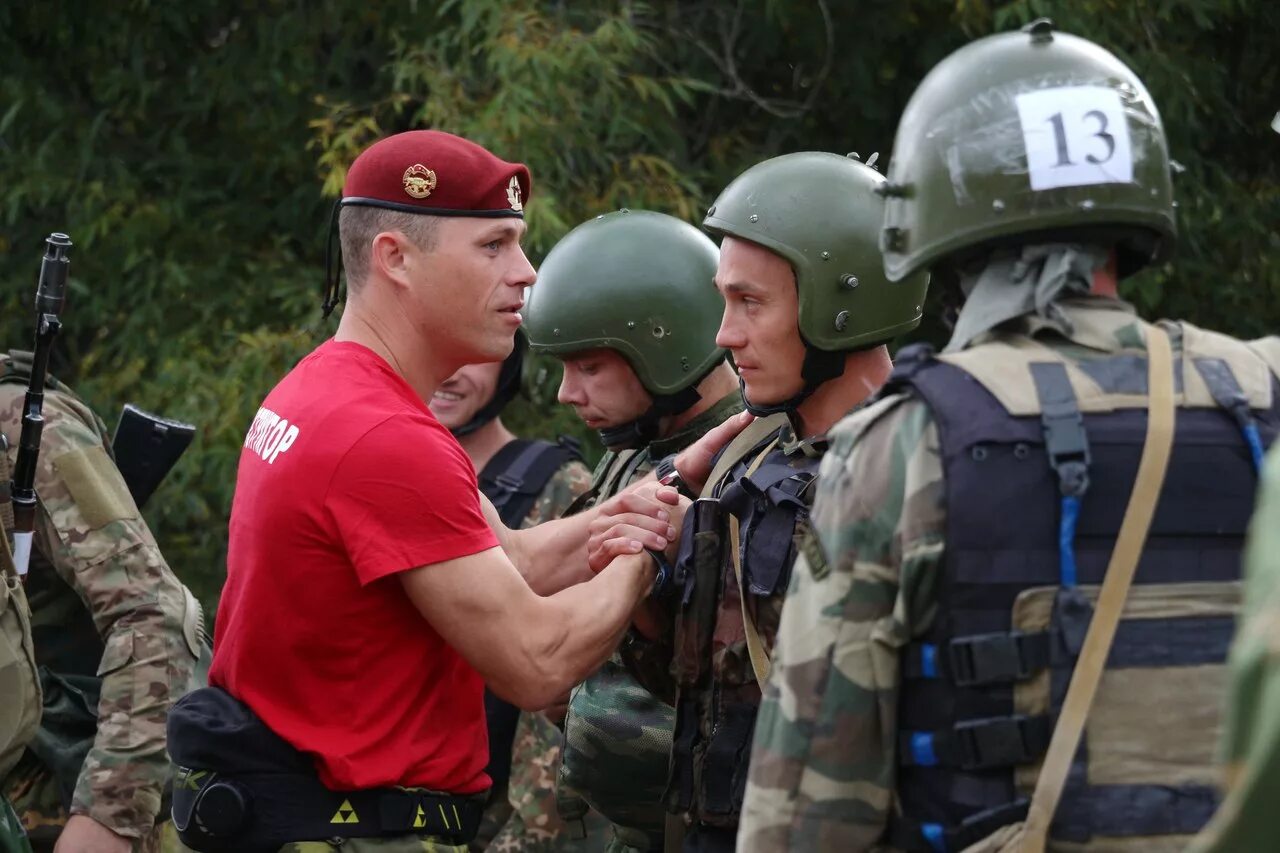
(193, 150)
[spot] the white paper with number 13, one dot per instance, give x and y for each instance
(1075, 136)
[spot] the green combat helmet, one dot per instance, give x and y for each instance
(1028, 133)
(821, 212)
(639, 283)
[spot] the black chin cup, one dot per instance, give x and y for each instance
(507, 388)
(819, 366)
(644, 429)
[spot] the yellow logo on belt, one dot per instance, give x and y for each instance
(419, 181)
(191, 778)
(421, 820)
(345, 814)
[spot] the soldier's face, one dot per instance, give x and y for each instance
(603, 389)
(464, 393)
(760, 325)
(469, 288)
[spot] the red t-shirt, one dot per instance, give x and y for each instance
(345, 479)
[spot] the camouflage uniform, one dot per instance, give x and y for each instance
(525, 818)
(826, 757)
(1246, 822)
(618, 733)
(104, 606)
(704, 668)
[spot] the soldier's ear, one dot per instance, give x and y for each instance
(390, 258)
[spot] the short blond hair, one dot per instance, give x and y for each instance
(359, 224)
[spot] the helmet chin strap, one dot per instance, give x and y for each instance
(644, 429)
(507, 388)
(819, 366)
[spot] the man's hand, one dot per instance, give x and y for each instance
(694, 462)
(639, 518)
(83, 834)
(615, 531)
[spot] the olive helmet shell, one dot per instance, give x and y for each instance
(637, 282)
(820, 212)
(1034, 133)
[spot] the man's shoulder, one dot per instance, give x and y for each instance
(880, 421)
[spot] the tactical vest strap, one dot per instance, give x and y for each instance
(911, 837)
(1161, 419)
(978, 744)
(979, 659)
(738, 449)
(518, 473)
(760, 663)
(1228, 394)
(1067, 446)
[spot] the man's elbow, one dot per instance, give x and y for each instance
(534, 688)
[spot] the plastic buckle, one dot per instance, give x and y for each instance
(986, 659)
(993, 742)
(1067, 445)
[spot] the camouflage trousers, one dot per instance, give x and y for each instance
(535, 825)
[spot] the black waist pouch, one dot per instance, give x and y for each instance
(241, 788)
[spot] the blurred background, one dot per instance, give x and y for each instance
(192, 151)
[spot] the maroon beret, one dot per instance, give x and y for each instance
(429, 171)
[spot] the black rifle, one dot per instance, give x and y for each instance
(146, 446)
(50, 294)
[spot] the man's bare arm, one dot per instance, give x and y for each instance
(553, 555)
(529, 648)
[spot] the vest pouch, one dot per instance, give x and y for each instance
(1145, 777)
(699, 576)
(724, 770)
(19, 685)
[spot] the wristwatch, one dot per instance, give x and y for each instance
(667, 475)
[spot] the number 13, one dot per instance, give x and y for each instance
(1060, 137)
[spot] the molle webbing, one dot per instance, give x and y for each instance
(966, 682)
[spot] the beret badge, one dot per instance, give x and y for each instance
(513, 193)
(419, 181)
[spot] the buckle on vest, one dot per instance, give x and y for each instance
(1001, 741)
(509, 483)
(996, 657)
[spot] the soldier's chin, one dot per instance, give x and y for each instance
(765, 394)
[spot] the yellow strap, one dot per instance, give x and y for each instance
(755, 647)
(737, 450)
(1111, 598)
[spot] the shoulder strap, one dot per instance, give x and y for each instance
(603, 478)
(760, 662)
(1111, 598)
(518, 474)
(742, 444)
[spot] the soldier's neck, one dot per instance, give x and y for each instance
(1104, 279)
(720, 382)
(864, 373)
(483, 444)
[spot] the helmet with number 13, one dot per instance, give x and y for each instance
(1031, 135)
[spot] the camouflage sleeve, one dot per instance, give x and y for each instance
(572, 479)
(90, 530)
(823, 761)
(1251, 743)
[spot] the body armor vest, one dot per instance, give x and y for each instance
(718, 694)
(1034, 500)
